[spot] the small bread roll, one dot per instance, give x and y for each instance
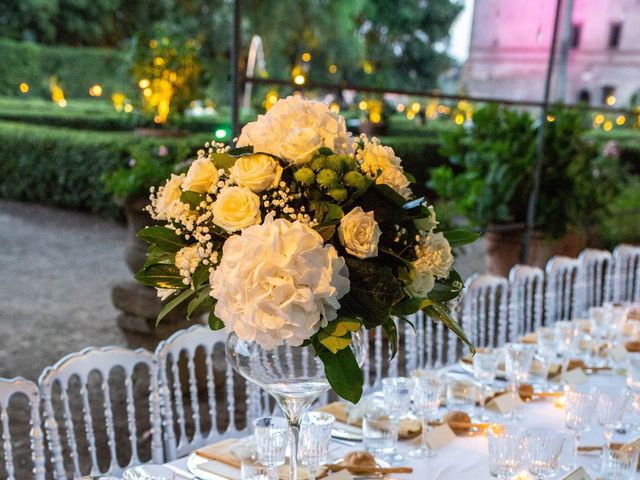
(525, 391)
(359, 458)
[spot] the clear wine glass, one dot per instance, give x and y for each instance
(543, 448)
(518, 360)
(315, 436)
(427, 394)
(546, 352)
(567, 337)
(633, 372)
(600, 326)
(485, 365)
(397, 396)
(580, 406)
(610, 408)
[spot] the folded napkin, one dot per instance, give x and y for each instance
(409, 427)
(225, 453)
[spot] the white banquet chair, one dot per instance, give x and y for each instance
(626, 273)
(10, 390)
(82, 383)
(484, 310)
(526, 292)
(594, 279)
(561, 300)
(183, 421)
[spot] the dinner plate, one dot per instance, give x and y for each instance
(343, 431)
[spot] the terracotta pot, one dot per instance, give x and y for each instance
(503, 245)
(137, 219)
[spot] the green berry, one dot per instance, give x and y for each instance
(339, 194)
(318, 162)
(304, 176)
(350, 164)
(353, 180)
(335, 162)
(327, 177)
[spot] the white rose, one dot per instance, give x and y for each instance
(201, 176)
(236, 208)
(168, 196)
(300, 145)
(376, 158)
(359, 233)
(258, 172)
(434, 260)
(395, 178)
(278, 282)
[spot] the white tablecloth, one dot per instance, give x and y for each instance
(467, 457)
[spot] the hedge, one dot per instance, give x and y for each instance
(77, 69)
(64, 167)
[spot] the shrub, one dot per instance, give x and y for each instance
(64, 167)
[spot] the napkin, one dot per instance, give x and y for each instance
(409, 427)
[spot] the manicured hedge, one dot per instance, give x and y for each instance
(76, 69)
(64, 167)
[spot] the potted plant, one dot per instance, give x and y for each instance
(491, 177)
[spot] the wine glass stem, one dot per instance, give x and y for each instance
(425, 430)
(294, 427)
(576, 440)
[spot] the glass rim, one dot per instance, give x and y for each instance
(274, 421)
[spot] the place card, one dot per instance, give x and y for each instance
(578, 474)
(575, 376)
(340, 475)
(618, 353)
(505, 403)
(440, 436)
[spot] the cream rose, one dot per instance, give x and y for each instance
(300, 145)
(395, 178)
(168, 197)
(236, 208)
(257, 172)
(434, 260)
(201, 176)
(376, 158)
(278, 282)
(359, 233)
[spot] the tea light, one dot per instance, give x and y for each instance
(560, 402)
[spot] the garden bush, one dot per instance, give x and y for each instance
(66, 168)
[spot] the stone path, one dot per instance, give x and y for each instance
(56, 272)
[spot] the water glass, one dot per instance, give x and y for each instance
(379, 434)
(397, 396)
(610, 408)
(600, 326)
(271, 435)
(315, 435)
(633, 371)
(546, 352)
(518, 360)
(580, 406)
(621, 464)
(544, 447)
(462, 393)
(485, 365)
(506, 448)
(567, 339)
(426, 401)
(250, 467)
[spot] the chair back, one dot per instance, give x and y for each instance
(10, 389)
(626, 273)
(594, 279)
(81, 384)
(484, 310)
(561, 300)
(526, 291)
(203, 417)
(378, 363)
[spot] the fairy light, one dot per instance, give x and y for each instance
(144, 83)
(306, 57)
(607, 126)
(24, 87)
(95, 90)
(147, 92)
(62, 103)
(362, 105)
(128, 108)
(459, 119)
(611, 100)
(411, 115)
(375, 117)
(367, 67)
(334, 107)
(333, 68)
(400, 107)
(621, 120)
(153, 43)
(299, 79)
(415, 107)
(551, 118)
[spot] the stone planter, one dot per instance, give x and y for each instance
(503, 245)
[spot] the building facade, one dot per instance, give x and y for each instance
(510, 43)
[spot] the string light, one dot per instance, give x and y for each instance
(599, 119)
(299, 79)
(128, 108)
(375, 117)
(306, 57)
(362, 105)
(334, 107)
(620, 120)
(367, 67)
(410, 115)
(62, 103)
(611, 100)
(415, 107)
(607, 126)
(220, 133)
(400, 107)
(333, 69)
(24, 87)
(144, 83)
(95, 90)
(551, 118)
(459, 119)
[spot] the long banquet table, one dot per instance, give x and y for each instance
(467, 456)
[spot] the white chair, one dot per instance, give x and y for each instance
(92, 371)
(484, 310)
(561, 300)
(626, 273)
(594, 278)
(378, 363)
(21, 387)
(526, 290)
(185, 344)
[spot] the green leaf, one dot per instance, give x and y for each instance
(390, 194)
(176, 300)
(202, 298)
(214, 322)
(342, 371)
(410, 305)
(439, 312)
(447, 289)
(410, 177)
(334, 343)
(342, 325)
(223, 160)
(160, 276)
(326, 232)
(156, 255)
(457, 238)
(239, 151)
(405, 270)
(325, 151)
(327, 213)
(200, 276)
(391, 330)
(193, 199)
(163, 237)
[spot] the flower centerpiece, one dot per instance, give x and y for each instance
(301, 235)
